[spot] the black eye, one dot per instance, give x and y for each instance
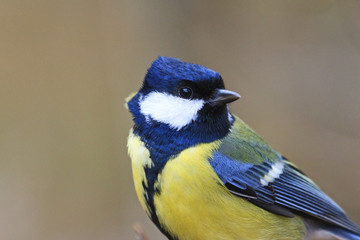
(185, 92)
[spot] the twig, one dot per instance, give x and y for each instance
(139, 232)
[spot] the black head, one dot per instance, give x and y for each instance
(181, 104)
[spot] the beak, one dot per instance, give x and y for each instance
(222, 97)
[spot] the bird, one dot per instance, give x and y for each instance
(200, 172)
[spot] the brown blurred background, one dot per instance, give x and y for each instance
(66, 67)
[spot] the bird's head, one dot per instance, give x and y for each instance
(183, 99)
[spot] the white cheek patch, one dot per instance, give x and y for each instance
(174, 111)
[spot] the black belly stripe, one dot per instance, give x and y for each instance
(149, 193)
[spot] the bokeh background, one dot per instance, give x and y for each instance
(66, 67)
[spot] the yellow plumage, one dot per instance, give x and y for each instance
(201, 173)
(140, 158)
(191, 192)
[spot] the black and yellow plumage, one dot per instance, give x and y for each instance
(202, 173)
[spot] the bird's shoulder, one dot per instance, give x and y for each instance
(252, 169)
(245, 145)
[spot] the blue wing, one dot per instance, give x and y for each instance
(273, 183)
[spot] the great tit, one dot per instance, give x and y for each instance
(201, 173)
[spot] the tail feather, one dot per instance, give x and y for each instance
(318, 230)
(334, 233)
(343, 233)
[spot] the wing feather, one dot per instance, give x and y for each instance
(273, 184)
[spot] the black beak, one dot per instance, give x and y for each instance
(222, 97)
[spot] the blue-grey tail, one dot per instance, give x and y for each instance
(333, 232)
(343, 233)
(320, 230)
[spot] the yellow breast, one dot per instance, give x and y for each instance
(140, 158)
(193, 203)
